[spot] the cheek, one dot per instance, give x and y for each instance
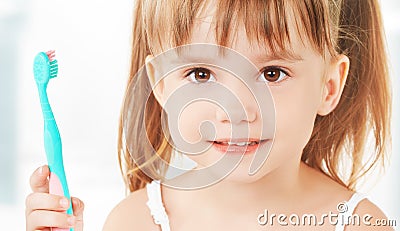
(191, 119)
(295, 115)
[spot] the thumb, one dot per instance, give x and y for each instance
(39, 179)
(78, 206)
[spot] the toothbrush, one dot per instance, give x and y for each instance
(45, 67)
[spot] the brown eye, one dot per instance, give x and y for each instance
(273, 74)
(200, 75)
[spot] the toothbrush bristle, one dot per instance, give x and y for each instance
(53, 63)
(51, 54)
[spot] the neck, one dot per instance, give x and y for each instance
(272, 189)
(274, 186)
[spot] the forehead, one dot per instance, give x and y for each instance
(255, 50)
(275, 26)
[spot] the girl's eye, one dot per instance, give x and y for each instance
(200, 75)
(274, 74)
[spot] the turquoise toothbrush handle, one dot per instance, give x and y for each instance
(53, 147)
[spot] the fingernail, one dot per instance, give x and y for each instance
(71, 221)
(64, 202)
(75, 202)
(78, 203)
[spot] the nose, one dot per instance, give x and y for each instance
(235, 115)
(241, 109)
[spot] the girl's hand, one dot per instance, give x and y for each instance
(44, 210)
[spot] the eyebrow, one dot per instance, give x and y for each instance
(260, 58)
(285, 56)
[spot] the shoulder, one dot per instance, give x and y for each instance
(371, 216)
(131, 213)
(331, 194)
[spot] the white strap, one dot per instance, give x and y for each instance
(346, 210)
(156, 206)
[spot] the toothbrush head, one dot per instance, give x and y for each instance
(45, 67)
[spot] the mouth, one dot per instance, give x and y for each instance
(245, 143)
(238, 146)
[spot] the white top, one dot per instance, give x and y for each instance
(348, 210)
(160, 216)
(156, 206)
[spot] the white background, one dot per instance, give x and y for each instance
(92, 42)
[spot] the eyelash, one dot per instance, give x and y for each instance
(191, 71)
(282, 76)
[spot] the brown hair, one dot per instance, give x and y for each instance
(350, 27)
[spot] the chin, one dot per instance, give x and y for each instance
(241, 175)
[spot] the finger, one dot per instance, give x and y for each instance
(39, 181)
(78, 207)
(45, 201)
(43, 229)
(42, 219)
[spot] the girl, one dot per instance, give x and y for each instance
(324, 65)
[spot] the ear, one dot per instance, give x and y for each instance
(157, 87)
(334, 84)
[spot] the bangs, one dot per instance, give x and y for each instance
(270, 23)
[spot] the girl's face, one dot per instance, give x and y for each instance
(298, 88)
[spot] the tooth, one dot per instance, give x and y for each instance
(238, 143)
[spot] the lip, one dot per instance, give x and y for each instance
(237, 150)
(238, 140)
